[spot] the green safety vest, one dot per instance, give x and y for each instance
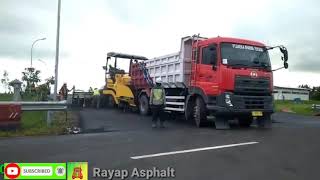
(158, 96)
(96, 92)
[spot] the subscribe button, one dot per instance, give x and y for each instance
(35, 171)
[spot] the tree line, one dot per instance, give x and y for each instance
(314, 91)
(31, 84)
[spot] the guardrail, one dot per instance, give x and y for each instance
(14, 109)
(38, 106)
(316, 107)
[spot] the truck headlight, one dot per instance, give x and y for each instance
(228, 100)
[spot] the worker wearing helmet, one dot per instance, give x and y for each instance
(157, 103)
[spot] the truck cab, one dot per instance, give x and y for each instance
(230, 78)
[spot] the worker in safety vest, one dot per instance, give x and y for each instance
(96, 98)
(157, 103)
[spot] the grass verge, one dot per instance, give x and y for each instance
(6, 97)
(34, 124)
(303, 108)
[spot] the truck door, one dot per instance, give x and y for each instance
(207, 70)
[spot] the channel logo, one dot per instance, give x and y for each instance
(77, 171)
(12, 171)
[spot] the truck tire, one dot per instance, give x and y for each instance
(144, 105)
(265, 121)
(245, 121)
(200, 113)
(189, 111)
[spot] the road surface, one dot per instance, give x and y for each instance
(123, 141)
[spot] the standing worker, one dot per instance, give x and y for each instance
(64, 91)
(90, 89)
(157, 103)
(96, 98)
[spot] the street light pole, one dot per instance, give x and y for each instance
(33, 45)
(57, 53)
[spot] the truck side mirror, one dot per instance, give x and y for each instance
(284, 51)
(285, 55)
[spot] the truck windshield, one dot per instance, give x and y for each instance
(245, 55)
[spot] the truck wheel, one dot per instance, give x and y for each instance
(265, 121)
(245, 121)
(143, 105)
(200, 114)
(188, 113)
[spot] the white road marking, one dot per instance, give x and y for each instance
(192, 150)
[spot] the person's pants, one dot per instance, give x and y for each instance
(65, 96)
(157, 113)
(96, 102)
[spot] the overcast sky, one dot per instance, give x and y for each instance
(91, 28)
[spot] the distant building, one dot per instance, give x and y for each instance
(286, 93)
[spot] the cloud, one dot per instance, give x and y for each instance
(21, 23)
(294, 24)
(140, 12)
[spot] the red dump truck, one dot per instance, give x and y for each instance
(225, 78)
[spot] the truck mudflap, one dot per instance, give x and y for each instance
(221, 123)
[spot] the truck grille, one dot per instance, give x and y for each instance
(245, 85)
(252, 102)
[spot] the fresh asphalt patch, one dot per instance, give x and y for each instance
(95, 121)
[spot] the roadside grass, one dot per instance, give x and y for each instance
(303, 108)
(6, 97)
(9, 97)
(34, 123)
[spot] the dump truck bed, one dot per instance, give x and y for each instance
(175, 67)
